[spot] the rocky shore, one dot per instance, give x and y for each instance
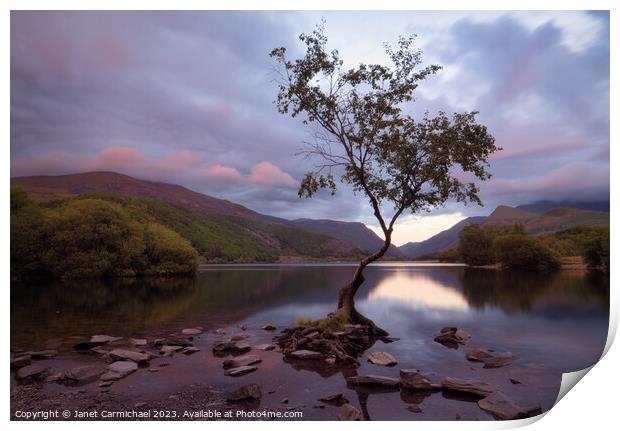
(110, 368)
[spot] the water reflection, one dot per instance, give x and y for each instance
(221, 295)
(418, 290)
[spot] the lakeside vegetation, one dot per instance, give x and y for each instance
(513, 248)
(106, 235)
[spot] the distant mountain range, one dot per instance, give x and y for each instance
(339, 238)
(552, 218)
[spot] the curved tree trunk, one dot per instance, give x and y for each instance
(346, 295)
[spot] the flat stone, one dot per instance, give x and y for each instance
(229, 345)
(372, 379)
(31, 372)
(169, 350)
(471, 386)
(190, 350)
(106, 384)
(220, 331)
(131, 355)
(239, 371)
(478, 354)
(348, 412)
(336, 399)
(247, 392)
(414, 380)
(42, 354)
(104, 339)
(462, 335)
(20, 361)
(100, 350)
(265, 347)
(499, 360)
(502, 407)
(241, 361)
(239, 337)
(305, 354)
(191, 331)
(388, 340)
(154, 370)
(284, 400)
(269, 327)
(382, 358)
(172, 340)
(83, 374)
(138, 341)
(119, 369)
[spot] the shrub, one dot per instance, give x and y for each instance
(515, 251)
(476, 245)
(596, 250)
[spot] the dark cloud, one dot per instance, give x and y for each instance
(186, 97)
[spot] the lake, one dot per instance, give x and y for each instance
(554, 323)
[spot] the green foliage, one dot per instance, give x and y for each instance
(91, 238)
(596, 250)
(517, 251)
(333, 322)
(476, 245)
(304, 322)
(19, 199)
(451, 255)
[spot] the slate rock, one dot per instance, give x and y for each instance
(375, 380)
(348, 412)
(382, 358)
(241, 361)
(247, 392)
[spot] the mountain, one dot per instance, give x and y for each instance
(442, 241)
(355, 232)
(278, 235)
(541, 207)
(552, 220)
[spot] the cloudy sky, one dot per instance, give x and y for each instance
(187, 98)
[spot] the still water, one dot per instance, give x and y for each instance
(559, 320)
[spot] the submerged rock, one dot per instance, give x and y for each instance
(451, 336)
(170, 350)
(414, 408)
(240, 361)
(490, 359)
(348, 412)
(478, 354)
(191, 331)
(190, 350)
(247, 392)
(270, 327)
(239, 371)
(265, 347)
(502, 407)
(336, 399)
(42, 354)
(305, 354)
(372, 379)
(470, 386)
(382, 358)
(229, 345)
(414, 380)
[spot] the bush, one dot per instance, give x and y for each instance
(476, 245)
(596, 250)
(92, 238)
(515, 251)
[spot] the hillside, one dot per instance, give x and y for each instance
(353, 232)
(541, 207)
(442, 241)
(552, 220)
(227, 220)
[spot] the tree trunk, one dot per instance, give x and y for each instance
(346, 295)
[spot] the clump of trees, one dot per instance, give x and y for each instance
(92, 238)
(513, 248)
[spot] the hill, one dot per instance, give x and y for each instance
(442, 241)
(541, 207)
(225, 222)
(552, 220)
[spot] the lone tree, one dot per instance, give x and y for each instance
(363, 135)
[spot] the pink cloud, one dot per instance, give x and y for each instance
(224, 174)
(268, 174)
